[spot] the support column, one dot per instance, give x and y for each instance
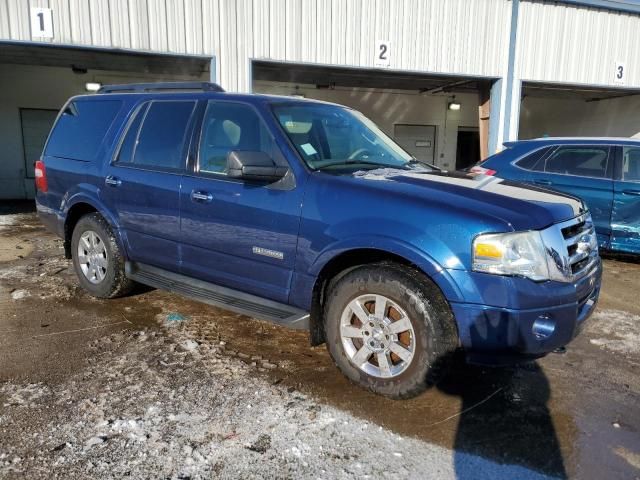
(496, 120)
(512, 87)
(213, 70)
(484, 115)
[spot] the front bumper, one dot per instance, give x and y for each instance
(551, 314)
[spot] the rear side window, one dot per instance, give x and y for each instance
(631, 164)
(80, 129)
(581, 161)
(156, 135)
(125, 155)
(533, 160)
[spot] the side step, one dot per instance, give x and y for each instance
(226, 298)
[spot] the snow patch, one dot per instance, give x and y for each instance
(19, 294)
(615, 330)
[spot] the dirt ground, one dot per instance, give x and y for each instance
(156, 386)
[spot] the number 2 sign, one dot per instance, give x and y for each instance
(41, 23)
(383, 53)
(620, 73)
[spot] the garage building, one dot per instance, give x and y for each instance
(451, 80)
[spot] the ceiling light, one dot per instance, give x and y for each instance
(453, 105)
(92, 86)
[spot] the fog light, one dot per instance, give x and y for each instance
(543, 327)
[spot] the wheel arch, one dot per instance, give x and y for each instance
(345, 261)
(79, 206)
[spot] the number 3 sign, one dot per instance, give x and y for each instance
(383, 53)
(41, 23)
(620, 73)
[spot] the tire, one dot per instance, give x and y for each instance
(108, 280)
(406, 294)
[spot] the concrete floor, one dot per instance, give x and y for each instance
(572, 415)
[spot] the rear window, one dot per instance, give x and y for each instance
(587, 161)
(80, 129)
(533, 161)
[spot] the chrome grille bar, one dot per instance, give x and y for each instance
(572, 248)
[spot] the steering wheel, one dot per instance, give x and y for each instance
(358, 153)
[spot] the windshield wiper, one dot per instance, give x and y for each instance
(360, 162)
(415, 161)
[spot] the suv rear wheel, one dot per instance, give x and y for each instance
(389, 329)
(97, 259)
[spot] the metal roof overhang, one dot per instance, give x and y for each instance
(95, 58)
(586, 93)
(329, 76)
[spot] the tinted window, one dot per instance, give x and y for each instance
(162, 135)
(631, 164)
(81, 128)
(533, 160)
(581, 161)
(125, 155)
(227, 127)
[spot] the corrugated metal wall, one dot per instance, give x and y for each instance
(452, 36)
(556, 42)
(570, 44)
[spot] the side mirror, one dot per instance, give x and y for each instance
(253, 166)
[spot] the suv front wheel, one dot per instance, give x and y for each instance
(389, 329)
(97, 258)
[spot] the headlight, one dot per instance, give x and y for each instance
(518, 253)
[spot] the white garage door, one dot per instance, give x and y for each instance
(36, 124)
(418, 140)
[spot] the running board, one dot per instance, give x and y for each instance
(226, 298)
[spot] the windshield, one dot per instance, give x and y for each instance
(334, 138)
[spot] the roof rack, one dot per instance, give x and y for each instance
(160, 86)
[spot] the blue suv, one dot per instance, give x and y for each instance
(604, 172)
(306, 214)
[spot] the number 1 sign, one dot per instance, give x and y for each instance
(41, 23)
(383, 53)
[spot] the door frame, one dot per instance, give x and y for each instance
(24, 146)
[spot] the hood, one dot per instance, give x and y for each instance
(523, 207)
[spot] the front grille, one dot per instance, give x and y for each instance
(581, 244)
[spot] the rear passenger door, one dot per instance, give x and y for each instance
(625, 217)
(584, 171)
(142, 183)
(238, 234)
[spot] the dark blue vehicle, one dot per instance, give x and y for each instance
(306, 214)
(604, 172)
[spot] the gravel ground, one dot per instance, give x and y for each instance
(156, 386)
(152, 405)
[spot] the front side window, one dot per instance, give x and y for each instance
(335, 138)
(226, 127)
(581, 161)
(631, 164)
(156, 135)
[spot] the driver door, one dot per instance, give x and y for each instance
(233, 233)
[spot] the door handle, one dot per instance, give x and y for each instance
(635, 193)
(543, 182)
(203, 197)
(112, 181)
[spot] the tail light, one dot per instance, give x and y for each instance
(482, 171)
(41, 176)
